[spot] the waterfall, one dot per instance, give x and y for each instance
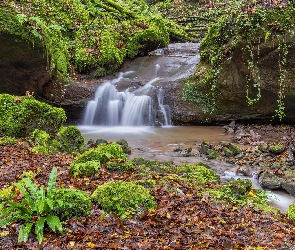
(141, 107)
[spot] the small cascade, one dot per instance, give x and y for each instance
(142, 107)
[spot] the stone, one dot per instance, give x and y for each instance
(269, 181)
(289, 186)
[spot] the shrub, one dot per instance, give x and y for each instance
(123, 198)
(70, 139)
(71, 203)
(20, 116)
(84, 168)
(121, 166)
(291, 212)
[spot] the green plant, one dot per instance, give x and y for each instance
(42, 142)
(34, 209)
(202, 174)
(124, 145)
(70, 203)
(70, 139)
(123, 198)
(85, 168)
(125, 166)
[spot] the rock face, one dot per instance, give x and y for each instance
(232, 84)
(22, 66)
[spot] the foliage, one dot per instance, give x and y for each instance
(70, 139)
(84, 35)
(291, 212)
(20, 116)
(87, 168)
(34, 209)
(123, 198)
(124, 166)
(71, 203)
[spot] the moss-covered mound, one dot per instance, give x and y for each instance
(20, 116)
(123, 198)
(89, 34)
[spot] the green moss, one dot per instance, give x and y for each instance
(227, 151)
(276, 149)
(213, 154)
(21, 115)
(70, 139)
(85, 35)
(124, 145)
(291, 212)
(7, 141)
(125, 166)
(71, 203)
(87, 168)
(123, 198)
(235, 149)
(7, 194)
(102, 153)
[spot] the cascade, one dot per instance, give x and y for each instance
(141, 107)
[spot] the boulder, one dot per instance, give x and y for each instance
(269, 181)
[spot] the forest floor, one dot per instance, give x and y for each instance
(182, 220)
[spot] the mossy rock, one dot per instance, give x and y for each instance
(234, 149)
(21, 115)
(123, 198)
(276, 149)
(103, 153)
(71, 203)
(291, 212)
(227, 152)
(236, 189)
(213, 154)
(84, 168)
(125, 146)
(125, 166)
(70, 139)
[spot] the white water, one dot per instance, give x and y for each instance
(142, 107)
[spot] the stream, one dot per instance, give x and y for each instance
(131, 106)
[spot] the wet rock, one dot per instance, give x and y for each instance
(269, 181)
(234, 149)
(289, 186)
(263, 147)
(227, 152)
(243, 171)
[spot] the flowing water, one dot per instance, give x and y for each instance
(129, 106)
